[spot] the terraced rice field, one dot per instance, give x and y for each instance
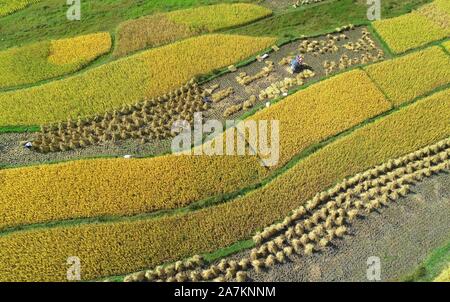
(158, 29)
(109, 86)
(430, 23)
(88, 128)
(444, 276)
(10, 6)
(407, 78)
(44, 60)
(376, 143)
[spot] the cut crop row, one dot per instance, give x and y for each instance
(44, 60)
(127, 81)
(322, 220)
(163, 28)
(132, 245)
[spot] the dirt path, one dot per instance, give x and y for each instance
(402, 236)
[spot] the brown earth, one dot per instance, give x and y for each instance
(13, 154)
(401, 235)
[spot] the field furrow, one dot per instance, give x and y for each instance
(116, 187)
(126, 81)
(136, 244)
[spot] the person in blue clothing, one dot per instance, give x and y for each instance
(296, 64)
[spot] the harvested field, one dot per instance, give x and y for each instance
(346, 52)
(217, 109)
(401, 235)
(325, 219)
(126, 81)
(12, 153)
(219, 226)
(232, 140)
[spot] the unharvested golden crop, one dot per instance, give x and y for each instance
(413, 75)
(438, 15)
(215, 17)
(106, 187)
(447, 45)
(10, 6)
(409, 31)
(323, 110)
(444, 276)
(133, 245)
(158, 29)
(305, 118)
(126, 81)
(79, 49)
(44, 60)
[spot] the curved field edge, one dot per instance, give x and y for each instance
(14, 6)
(404, 78)
(312, 32)
(321, 222)
(431, 268)
(163, 28)
(427, 30)
(47, 60)
(126, 81)
(157, 202)
(427, 24)
(85, 189)
(444, 276)
(209, 229)
(204, 77)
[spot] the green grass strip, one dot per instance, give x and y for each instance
(219, 199)
(19, 129)
(435, 263)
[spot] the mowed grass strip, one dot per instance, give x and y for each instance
(108, 187)
(409, 31)
(44, 60)
(121, 247)
(323, 110)
(413, 75)
(155, 30)
(126, 81)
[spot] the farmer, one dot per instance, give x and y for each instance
(296, 64)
